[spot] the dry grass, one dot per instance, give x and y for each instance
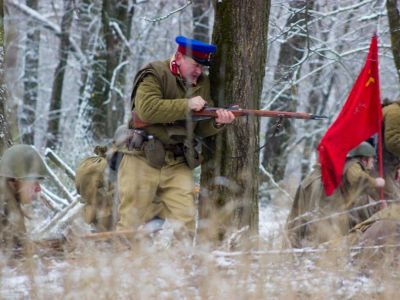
(153, 269)
(129, 270)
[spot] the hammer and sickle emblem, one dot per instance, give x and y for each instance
(370, 79)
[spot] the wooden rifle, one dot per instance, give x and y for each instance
(211, 112)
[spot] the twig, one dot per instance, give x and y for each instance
(49, 25)
(60, 163)
(271, 178)
(302, 250)
(49, 202)
(41, 231)
(155, 20)
(54, 198)
(59, 184)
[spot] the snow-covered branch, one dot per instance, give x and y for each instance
(271, 178)
(49, 25)
(158, 19)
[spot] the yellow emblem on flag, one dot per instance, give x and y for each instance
(370, 79)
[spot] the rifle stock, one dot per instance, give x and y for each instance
(211, 112)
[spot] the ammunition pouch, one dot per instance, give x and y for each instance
(154, 152)
(192, 156)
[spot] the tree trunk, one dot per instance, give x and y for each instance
(201, 29)
(5, 140)
(292, 50)
(107, 101)
(88, 12)
(88, 40)
(56, 93)
(31, 77)
(229, 179)
(394, 24)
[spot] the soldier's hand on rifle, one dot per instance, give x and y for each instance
(224, 117)
(379, 182)
(196, 103)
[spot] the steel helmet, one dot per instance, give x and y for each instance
(364, 149)
(22, 162)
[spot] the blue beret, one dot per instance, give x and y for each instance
(198, 50)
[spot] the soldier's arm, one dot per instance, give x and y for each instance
(209, 127)
(356, 175)
(152, 108)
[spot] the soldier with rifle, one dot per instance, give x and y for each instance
(158, 161)
(172, 108)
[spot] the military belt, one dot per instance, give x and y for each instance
(176, 149)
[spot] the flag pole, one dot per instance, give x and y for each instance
(380, 156)
(380, 166)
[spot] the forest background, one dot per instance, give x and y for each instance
(69, 67)
(66, 72)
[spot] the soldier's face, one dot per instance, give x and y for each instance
(190, 70)
(368, 163)
(28, 190)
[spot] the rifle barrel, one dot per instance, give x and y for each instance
(212, 112)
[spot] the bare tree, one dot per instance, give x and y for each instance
(230, 173)
(107, 98)
(288, 70)
(201, 29)
(323, 84)
(56, 93)
(30, 77)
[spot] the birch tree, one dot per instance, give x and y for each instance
(30, 77)
(230, 173)
(56, 93)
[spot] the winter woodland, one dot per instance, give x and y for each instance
(68, 69)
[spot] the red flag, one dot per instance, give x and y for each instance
(359, 119)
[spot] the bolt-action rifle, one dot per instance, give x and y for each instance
(211, 112)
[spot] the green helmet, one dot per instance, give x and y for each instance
(22, 162)
(364, 149)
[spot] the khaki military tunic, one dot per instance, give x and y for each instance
(160, 99)
(391, 149)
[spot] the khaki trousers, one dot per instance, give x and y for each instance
(146, 192)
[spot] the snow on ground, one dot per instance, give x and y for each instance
(126, 270)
